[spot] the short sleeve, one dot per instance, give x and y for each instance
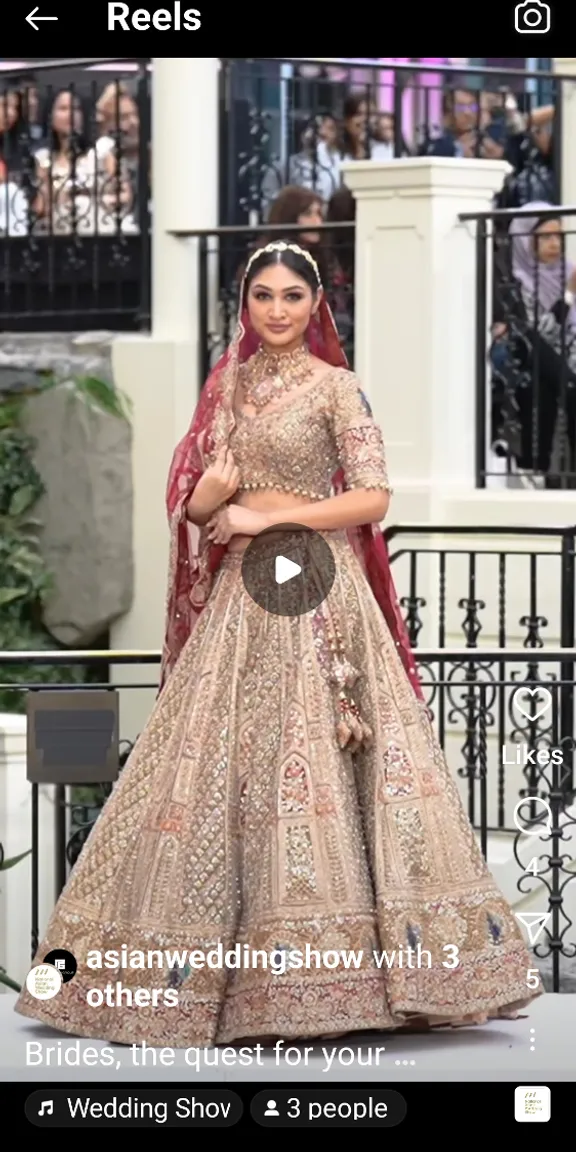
(359, 442)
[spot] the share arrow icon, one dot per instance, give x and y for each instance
(534, 923)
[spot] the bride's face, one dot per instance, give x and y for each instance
(280, 306)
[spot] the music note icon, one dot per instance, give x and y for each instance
(46, 1108)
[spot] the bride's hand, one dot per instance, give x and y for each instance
(233, 520)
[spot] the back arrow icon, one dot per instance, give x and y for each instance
(32, 18)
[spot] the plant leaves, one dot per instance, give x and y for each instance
(9, 595)
(6, 864)
(102, 395)
(22, 499)
(8, 983)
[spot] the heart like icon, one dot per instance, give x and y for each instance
(533, 692)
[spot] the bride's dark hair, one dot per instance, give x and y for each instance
(297, 260)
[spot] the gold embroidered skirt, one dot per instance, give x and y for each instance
(243, 818)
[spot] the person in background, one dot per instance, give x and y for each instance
(117, 153)
(296, 205)
(12, 132)
(13, 201)
(464, 118)
(65, 201)
(535, 328)
(341, 250)
(382, 128)
(355, 135)
(530, 152)
(316, 166)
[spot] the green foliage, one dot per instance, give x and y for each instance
(25, 582)
(6, 864)
(96, 394)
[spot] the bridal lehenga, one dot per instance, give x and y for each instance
(288, 791)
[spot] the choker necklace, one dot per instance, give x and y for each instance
(267, 376)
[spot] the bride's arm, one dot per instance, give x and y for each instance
(217, 485)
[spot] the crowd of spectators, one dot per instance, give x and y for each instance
(70, 164)
(474, 124)
(67, 167)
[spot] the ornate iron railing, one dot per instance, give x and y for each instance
(490, 594)
(525, 354)
(475, 687)
(75, 196)
(290, 121)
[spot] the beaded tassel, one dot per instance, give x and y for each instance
(351, 730)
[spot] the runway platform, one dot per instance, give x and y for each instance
(537, 1049)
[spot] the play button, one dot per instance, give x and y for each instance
(289, 570)
(285, 569)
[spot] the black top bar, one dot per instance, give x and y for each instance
(512, 213)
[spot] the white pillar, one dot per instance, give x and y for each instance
(184, 185)
(415, 316)
(160, 371)
(567, 67)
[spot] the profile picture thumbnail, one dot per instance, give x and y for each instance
(64, 962)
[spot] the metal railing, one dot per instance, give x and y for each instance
(512, 760)
(75, 196)
(290, 121)
(525, 354)
(489, 593)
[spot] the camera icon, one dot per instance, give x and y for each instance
(532, 17)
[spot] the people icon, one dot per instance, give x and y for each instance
(271, 1109)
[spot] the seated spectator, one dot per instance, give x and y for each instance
(382, 134)
(530, 151)
(296, 205)
(77, 189)
(534, 350)
(315, 167)
(65, 199)
(341, 249)
(464, 119)
(356, 140)
(117, 152)
(13, 205)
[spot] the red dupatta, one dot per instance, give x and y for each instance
(194, 560)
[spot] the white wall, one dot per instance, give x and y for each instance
(16, 838)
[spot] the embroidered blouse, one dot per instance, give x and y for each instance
(298, 448)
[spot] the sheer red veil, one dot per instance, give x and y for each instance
(193, 559)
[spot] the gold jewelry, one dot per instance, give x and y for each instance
(282, 246)
(267, 376)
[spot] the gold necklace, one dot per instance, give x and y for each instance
(267, 376)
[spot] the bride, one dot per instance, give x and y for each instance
(288, 797)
